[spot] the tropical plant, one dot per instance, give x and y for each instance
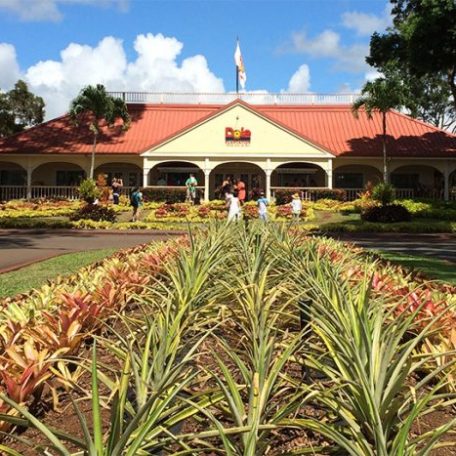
(96, 107)
(88, 190)
(381, 95)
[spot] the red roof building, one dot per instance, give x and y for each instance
(305, 146)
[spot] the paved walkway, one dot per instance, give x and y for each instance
(19, 247)
(439, 245)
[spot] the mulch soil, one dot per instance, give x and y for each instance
(65, 418)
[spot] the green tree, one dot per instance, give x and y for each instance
(19, 109)
(381, 95)
(422, 41)
(96, 107)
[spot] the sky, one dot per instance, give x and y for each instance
(59, 46)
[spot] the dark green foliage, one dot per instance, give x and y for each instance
(422, 42)
(88, 190)
(94, 212)
(95, 107)
(383, 193)
(391, 213)
(168, 195)
(19, 109)
(285, 196)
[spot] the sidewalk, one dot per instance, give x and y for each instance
(435, 245)
(19, 248)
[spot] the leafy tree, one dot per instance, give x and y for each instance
(98, 108)
(19, 109)
(381, 95)
(422, 41)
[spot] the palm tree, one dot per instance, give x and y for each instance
(96, 105)
(381, 95)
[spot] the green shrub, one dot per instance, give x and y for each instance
(88, 190)
(167, 195)
(392, 213)
(285, 196)
(383, 193)
(94, 212)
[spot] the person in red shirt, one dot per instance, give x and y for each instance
(240, 187)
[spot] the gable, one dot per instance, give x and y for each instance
(267, 137)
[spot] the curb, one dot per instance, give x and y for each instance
(85, 232)
(18, 266)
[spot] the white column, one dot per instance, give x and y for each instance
(446, 178)
(29, 182)
(268, 173)
(329, 173)
(207, 173)
(146, 177)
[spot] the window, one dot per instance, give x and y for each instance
(349, 180)
(12, 177)
(69, 178)
(405, 180)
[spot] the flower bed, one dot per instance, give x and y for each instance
(50, 323)
(250, 339)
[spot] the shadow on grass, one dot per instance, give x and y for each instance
(432, 268)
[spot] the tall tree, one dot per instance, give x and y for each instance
(381, 95)
(97, 107)
(422, 40)
(19, 109)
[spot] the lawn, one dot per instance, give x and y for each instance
(432, 268)
(12, 283)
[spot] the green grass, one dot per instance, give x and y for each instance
(34, 276)
(432, 268)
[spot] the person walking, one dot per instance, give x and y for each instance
(136, 201)
(191, 183)
(262, 203)
(296, 206)
(233, 206)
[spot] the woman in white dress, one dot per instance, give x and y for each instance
(233, 205)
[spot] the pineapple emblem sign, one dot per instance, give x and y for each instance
(237, 136)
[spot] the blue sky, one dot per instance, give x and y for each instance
(301, 45)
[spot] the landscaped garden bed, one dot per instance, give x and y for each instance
(233, 340)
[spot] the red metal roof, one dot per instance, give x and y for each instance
(333, 128)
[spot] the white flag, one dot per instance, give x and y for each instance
(240, 66)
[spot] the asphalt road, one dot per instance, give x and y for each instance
(439, 245)
(19, 248)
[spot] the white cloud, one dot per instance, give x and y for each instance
(327, 45)
(372, 75)
(365, 24)
(300, 81)
(155, 69)
(9, 73)
(48, 10)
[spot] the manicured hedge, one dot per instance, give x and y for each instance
(168, 195)
(285, 196)
(390, 213)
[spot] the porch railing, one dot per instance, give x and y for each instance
(12, 192)
(224, 98)
(49, 191)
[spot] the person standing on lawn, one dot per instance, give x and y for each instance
(136, 202)
(262, 203)
(296, 206)
(191, 183)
